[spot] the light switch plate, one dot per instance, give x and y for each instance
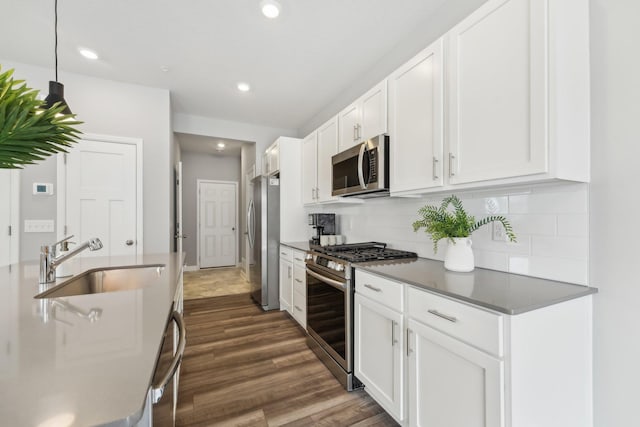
(39, 226)
(498, 232)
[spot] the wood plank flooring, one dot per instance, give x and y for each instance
(214, 282)
(245, 367)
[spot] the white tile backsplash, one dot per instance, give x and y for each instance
(550, 222)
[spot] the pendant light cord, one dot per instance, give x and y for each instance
(55, 14)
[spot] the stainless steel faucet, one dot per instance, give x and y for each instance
(49, 261)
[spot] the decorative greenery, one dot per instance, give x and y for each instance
(443, 224)
(29, 133)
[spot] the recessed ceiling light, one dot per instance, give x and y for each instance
(270, 8)
(243, 87)
(164, 68)
(88, 53)
(221, 145)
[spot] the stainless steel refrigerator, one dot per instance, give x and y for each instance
(263, 221)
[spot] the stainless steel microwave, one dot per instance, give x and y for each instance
(363, 170)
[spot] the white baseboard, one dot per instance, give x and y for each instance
(191, 268)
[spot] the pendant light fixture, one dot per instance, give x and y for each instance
(56, 89)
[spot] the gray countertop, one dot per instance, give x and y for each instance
(58, 368)
(301, 246)
(504, 292)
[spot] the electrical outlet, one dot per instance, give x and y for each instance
(497, 232)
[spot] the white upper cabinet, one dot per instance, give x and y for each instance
(416, 122)
(317, 150)
(309, 164)
(364, 118)
(518, 86)
(327, 147)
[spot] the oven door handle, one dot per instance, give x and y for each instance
(338, 285)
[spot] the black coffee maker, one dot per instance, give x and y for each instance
(325, 224)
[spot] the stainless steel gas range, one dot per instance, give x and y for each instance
(330, 292)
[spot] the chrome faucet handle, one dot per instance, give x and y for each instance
(62, 241)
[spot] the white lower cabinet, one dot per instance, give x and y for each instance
(379, 356)
(299, 283)
(434, 361)
(286, 278)
(452, 383)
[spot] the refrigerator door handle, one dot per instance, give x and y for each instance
(251, 223)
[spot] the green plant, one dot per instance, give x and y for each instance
(443, 224)
(29, 133)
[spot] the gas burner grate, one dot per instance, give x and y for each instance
(362, 252)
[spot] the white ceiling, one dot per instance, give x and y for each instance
(296, 64)
(208, 145)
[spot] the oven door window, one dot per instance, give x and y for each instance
(325, 313)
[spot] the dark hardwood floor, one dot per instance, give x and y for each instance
(245, 367)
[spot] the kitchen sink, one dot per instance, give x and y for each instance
(110, 279)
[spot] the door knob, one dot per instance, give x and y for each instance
(129, 242)
(233, 229)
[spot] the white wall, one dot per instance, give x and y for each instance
(108, 108)
(551, 224)
(203, 166)
(263, 136)
(614, 205)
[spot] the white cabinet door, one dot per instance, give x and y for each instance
(327, 147)
(273, 153)
(365, 118)
(286, 285)
(416, 122)
(498, 92)
(374, 112)
(451, 383)
(349, 122)
(309, 164)
(378, 353)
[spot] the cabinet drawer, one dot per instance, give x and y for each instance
(286, 253)
(298, 257)
(477, 327)
(379, 289)
(300, 280)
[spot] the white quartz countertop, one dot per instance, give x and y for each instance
(59, 368)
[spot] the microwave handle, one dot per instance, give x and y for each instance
(363, 148)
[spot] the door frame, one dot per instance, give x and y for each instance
(214, 181)
(61, 174)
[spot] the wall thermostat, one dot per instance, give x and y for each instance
(44, 188)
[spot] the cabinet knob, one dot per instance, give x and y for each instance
(129, 242)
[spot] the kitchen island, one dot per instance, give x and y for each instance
(87, 359)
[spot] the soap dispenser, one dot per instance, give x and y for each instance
(65, 269)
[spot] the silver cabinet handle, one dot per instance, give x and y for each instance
(298, 259)
(289, 271)
(444, 316)
(451, 158)
(435, 169)
(409, 349)
(158, 388)
(355, 134)
(317, 193)
(373, 288)
(298, 280)
(394, 341)
(358, 127)
(129, 242)
(281, 253)
(298, 308)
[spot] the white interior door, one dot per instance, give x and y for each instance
(9, 208)
(179, 227)
(102, 196)
(217, 219)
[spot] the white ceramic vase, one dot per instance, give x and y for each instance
(459, 256)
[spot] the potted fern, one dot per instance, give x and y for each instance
(29, 133)
(456, 226)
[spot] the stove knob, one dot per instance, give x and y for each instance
(339, 267)
(308, 256)
(331, 265)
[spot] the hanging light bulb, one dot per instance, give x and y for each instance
(56, 89)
